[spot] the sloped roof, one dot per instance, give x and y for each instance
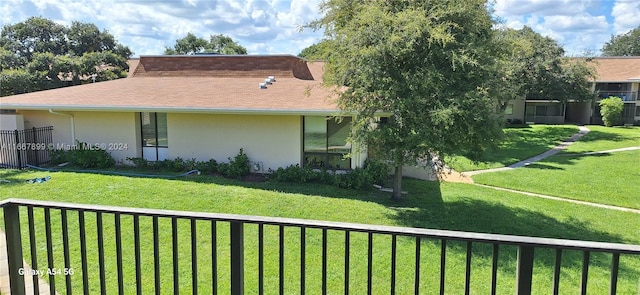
(617, 69)
(220, 84)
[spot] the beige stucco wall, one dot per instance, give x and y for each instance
(274, 141)
(110, 130)
(518, 110)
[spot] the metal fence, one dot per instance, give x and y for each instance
(29, 146)
(154, 242)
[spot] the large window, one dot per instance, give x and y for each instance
(154, 135)
(325, 143)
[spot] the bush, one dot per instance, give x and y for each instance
(611, 110)
(237, 167)
(378, 170)
(139, 162)
(85, 156)
(209, 167)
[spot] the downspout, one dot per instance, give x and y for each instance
(73, 125)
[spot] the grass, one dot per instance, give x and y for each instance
(602, 138)
(601, 178)
(429, 205)
(519, 143)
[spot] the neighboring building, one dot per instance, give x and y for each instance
(200, 106)
(615, 76)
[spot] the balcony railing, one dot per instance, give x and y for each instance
(286, 242)
(625, 95)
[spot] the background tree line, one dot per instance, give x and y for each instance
(39, 54)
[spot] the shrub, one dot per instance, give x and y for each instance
(139, 162)
(209, 167)
(611, 110)
(84, 155)
(237, 167)
(293, 173)
(355, 179)
(378, 170)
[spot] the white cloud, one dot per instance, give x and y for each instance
(626, 14)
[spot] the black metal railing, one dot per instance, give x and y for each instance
(29, 146)
(140, 240)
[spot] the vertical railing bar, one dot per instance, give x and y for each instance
(83, 252)
(394, 239)
(524, 271)
(136, 250)
(303, 259)
(194, 258)
(100, 233)
(467, 271)
(347, 254)
(443, 261)
(416, 288)
(585, 272)
(369, 263)
(156, 255)
(65, 250)
(261, 259)
(615, 262)
(281, 260)
(14, 248)
(174, 243)
(120, 271)
(34, 252)
(324, 261)
(556, 271)
(237, 258)
(214, 257)
(494, 268)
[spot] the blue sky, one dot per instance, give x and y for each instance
(272, 26)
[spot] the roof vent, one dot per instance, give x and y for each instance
(262, 85)
(272, 78)
(267, 81)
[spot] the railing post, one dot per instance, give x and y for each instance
(524, 270)
(14, 248)
(17, 146)
(237, 258)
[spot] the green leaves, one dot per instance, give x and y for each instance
(191, 44)
(627, 44)
(611, 110)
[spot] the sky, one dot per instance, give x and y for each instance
(274, 26)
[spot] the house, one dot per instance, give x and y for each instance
(203, 107)
(615, 76)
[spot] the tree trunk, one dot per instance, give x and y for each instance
(397, 184)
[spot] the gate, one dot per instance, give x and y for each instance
(19, 148)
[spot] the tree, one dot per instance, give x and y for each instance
(44, 55)
(611, 110)
(627, 44)
(529, 65)
(192, 44)
(318, 51)
(422, 63)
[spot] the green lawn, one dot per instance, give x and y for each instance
(518, 144)
(602, 138)
(429, 205)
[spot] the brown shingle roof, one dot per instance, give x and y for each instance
(196, 83)
(617, 69)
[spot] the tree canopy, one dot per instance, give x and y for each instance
(191, 44)
(39, 54)
(627, 44)
(318, 51)
(424, 65)
(531, 66)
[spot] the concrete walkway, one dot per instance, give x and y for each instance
(43, 287)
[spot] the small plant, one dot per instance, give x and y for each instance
(611, 110)
(84, 155)
(208, 167)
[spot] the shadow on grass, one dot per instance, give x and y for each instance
(595, 135)
(428, 210)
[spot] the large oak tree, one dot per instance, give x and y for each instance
(39, 54)
(627, 44)
(424, 63)
(191, 44)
